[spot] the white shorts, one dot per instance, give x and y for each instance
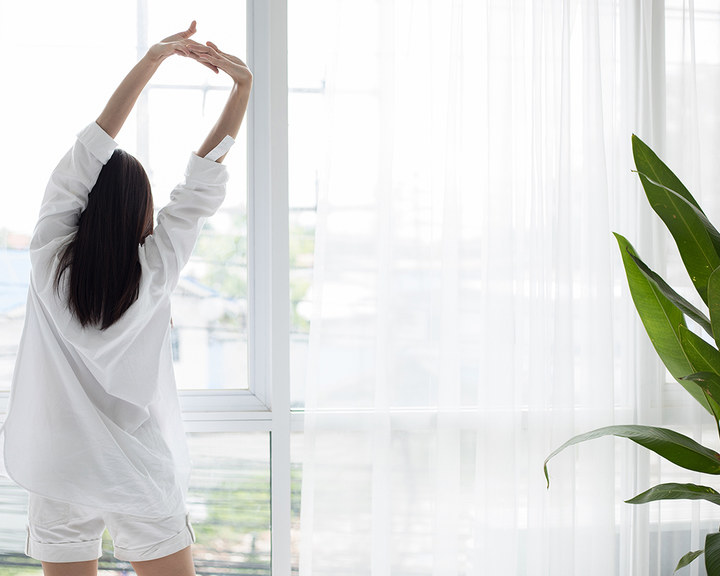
(62, 532)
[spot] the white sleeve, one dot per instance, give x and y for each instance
(67, 191)
(179, 223)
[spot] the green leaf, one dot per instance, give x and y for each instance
(677, 492)
(712, 554)
(709, 228)
(665, 325)
(710, 384)
(714, 303)
(687, 559)
(681, 214)
(661, 318)
(657, 172)
(671, 445)
(647, 162)
(703, 357)
(694, 243)
(673, 296)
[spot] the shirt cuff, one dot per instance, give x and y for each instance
(98, 142)
(221, 149)
(205, 172)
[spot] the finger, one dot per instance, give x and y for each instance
(228, 56)
(209, 49)
(197, 47)
(180, 35)
(204, 62)
(220, 52)
(211, 54)
(190, 31)
(181, 46)
(208, 56)
(210, 59)
(216, 62)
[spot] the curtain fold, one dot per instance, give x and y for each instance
(470, 308)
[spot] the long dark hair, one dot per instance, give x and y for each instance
(102, 259)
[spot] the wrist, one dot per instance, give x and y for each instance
(155, 55)
(242, 85)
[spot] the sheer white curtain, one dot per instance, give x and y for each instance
(692, 145)
(470, 310)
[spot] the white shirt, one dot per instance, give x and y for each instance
(94, 417)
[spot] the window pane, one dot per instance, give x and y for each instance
(229, 502)
(172, 118)
(210, 302)
(229, 505)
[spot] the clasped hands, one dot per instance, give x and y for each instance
(207, 54)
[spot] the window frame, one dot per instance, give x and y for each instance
(268, 252)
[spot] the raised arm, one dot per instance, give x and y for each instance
(232, 115)
(123, 99)
(202, 192)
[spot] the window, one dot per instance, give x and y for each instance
(230, 311)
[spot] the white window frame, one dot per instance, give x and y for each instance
(268, 247)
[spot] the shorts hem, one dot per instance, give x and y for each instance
(174, 544)
(83, 551)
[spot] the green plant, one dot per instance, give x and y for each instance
(691, 360)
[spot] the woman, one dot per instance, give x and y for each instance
(94, 430)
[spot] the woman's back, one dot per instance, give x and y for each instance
(112, 388)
